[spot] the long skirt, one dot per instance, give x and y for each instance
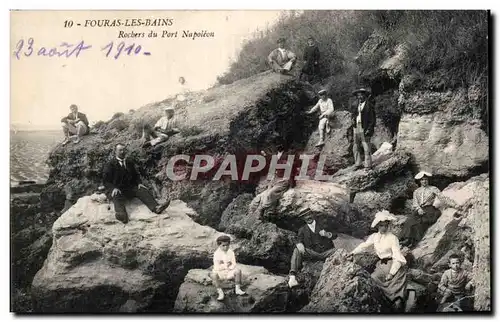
(416, 225)
(394, 288)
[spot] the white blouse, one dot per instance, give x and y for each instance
(386, 246)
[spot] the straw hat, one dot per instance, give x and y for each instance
(168, 108)
(322, 91)
(421, 174)
(383, 215)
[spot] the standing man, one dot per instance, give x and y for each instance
(122, 182)
(363, 126)
(166, 127)
(311, 60)
(281, 60)
(314, 243)
(325, 105)
(75, 123)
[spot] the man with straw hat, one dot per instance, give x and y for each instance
(166, 127)
(325, 105)
(364, 119)
(280, 59)
(314, 243)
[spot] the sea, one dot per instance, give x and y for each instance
(29, 151)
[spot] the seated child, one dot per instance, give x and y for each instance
(225, 267)
(455, 281)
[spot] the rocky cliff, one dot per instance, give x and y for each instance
(159, 264)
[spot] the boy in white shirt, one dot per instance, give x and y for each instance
(225, 267)
(325, 105)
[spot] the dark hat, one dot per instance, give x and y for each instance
(223, 239)
(281, 39)
(310, 37)
(365, 91)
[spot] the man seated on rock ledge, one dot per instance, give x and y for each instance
(166, 127)
(315, 243)
(75, 123)
(281, 60)
(122, 182)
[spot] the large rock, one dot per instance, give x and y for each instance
(264, 243)
(265, 293)
(344, 287)
(444, 131)
(97, 264)
(480, 212)
(453, 231)
(328, 201)
(364, 179)
(388, 195)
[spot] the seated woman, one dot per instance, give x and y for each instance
(424, 213)
(390, 272)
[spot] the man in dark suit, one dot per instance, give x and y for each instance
(311, 61)
(363, 118)
(314, 243)
(75, 123)
(122, 182)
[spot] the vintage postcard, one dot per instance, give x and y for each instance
(293, 161)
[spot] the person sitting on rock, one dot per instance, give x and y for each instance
(311, 60)
(280, 59)
(364, 119)
(225, 267)
(122, 182)
(455, 283)
(325, 106)
(314, 243)
(166, 127)
(390, 274)
(424, 213)
(75, 123)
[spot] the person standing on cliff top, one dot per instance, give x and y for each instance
(325, 106)
(311, 60)
(280, 59)
(164, 128)
(75, 123)
(364, 119)
(122, 182)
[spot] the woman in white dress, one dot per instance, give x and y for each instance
(390, 272)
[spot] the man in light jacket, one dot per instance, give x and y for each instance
(281, 60)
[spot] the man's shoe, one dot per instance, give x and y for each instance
(162, 207)
(292, 282)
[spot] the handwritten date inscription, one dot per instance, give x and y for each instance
(67, 50)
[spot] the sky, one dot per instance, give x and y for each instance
(43, 87)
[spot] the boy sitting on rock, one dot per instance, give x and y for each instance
(225, 267)
(455, 282)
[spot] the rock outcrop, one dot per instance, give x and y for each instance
(265, 293)
(97, 264)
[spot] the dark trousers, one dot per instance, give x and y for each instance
(142, 194)
(298, 258)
